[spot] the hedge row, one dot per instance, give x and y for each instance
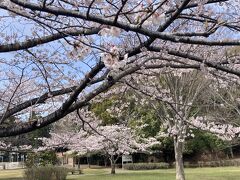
(46, 173)
(145, 166)
(219, 163)
(162, 165)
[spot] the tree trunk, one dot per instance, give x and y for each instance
(113, 166)
(79, 166)
(231, 152)
(78, 163)
(88, 162)
(105, 161)
(62, 159)
(178, 149)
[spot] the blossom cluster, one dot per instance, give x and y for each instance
(224, 131)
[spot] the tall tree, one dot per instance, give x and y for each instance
(179, 98)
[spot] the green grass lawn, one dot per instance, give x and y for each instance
(226, 173)
(11, 174)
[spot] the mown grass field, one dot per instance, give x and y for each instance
(226, 173)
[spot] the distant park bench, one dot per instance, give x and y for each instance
(73, 170)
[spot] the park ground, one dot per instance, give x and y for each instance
(222, 173)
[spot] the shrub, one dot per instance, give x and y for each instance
(189, 165)
(60, 173)
(146, 166)
(46, 173)
(41, 158)
(38, 173)
(47, 158)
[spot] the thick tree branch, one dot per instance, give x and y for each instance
(66, 109)
(130, 27)
(197, 59)
(46, 39)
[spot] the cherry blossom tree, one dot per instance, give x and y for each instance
(182, 100)
(59, 55)
(111, 140)
(173, 96)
